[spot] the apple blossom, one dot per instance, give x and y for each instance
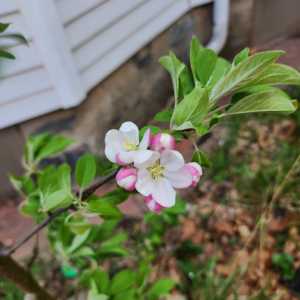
(162, 141)
(126, 178)
(123, 146)
(196, 171)
(161, 174)
(153, 205)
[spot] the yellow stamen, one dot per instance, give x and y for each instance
(129, 146)
(156, 171)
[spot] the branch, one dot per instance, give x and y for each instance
(11, 270)
(86, 193)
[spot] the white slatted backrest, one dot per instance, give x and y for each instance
(74, 44)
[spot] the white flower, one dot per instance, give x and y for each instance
(160, 174)
(123, 146)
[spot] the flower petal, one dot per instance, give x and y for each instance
(163, 193)
(130, 132)
(113, 144)
(145, 158)
(125, 157)
(145, 142)
(153, 205)
(111, 153)
(172, 160)
(180, 179)
(144, 184)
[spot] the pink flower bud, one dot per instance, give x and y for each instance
(162, 141)
(126, 178)
(152, 204)
(196, 171)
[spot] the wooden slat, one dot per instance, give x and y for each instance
(92, 51)
(113, 59)
(69, 10)
(96, 20)
(7, 6)
(194, 3)
(29, 107)
(27, 57)
(22, 85)
(55, 53)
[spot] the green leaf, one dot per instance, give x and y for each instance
(54, 145)
(128, 295)
(23, 184)
(105, 209)
(178, 209)
(52, 179)
(195, 48)
(78, 241)
(95, 278)
(160, 288)
(85, 171)
(191, 110)
(57, 199)
(122, 281)
(262, 102)
(206, 62)
(285, 262)
(104, 166)
(201, 158)
(6, 54)
(175, 67)
(112, 251)
(102, 281)
(32, 207)
(33, 144)
(164, 116)
(143, 273)
(222, 66)
(15, 36)
(55, 187)
(77, 223)
(116, 240)
(94, 295)
(202, 60)
(3, 26)
(241, 56)
(153, 129)
(44, 145)
(105, 230)
(64, 176)
(243, 73)
(115, 197)
(278, 74)
(186, 83)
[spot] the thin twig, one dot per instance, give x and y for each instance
(85, 194)
(35, 253)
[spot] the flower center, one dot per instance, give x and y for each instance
(130, 146)
(156, 171)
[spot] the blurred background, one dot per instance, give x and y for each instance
(92, 64)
